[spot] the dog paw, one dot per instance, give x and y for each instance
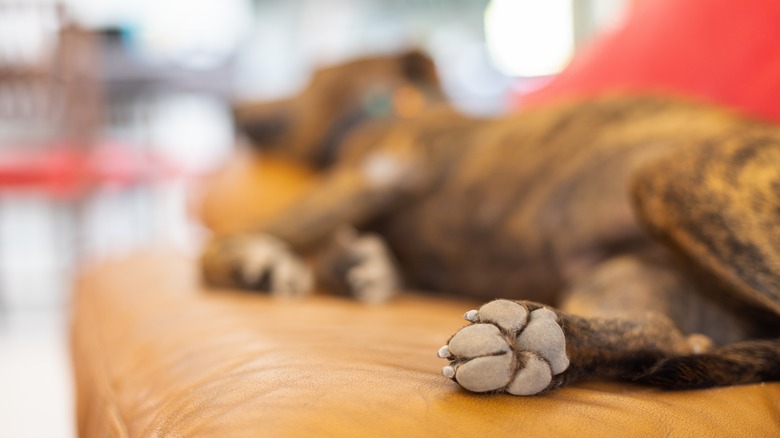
(374, 276)
(509, 347)
(263, 262)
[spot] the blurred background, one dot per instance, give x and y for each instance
(112, 112)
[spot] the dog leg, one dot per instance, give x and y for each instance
(524, 348)
(619, 319)
(257, 261)
(718, 205)
(733, 364)
(349, 196)
(359, 265)
(653, 282)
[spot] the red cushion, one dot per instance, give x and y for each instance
(719, 50)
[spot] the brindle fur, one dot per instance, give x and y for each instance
(652, 218)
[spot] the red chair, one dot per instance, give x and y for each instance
(720, 51)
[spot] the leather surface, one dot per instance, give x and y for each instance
(157, 354)
(247, 191)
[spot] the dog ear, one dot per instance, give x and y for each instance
(418, 67)
(266, 133)
(265, 125)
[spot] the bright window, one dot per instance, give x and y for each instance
(529, 37)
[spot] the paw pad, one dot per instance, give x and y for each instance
(506, 348)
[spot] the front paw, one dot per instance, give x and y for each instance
(515, 347)
(373, 277)
(259, 262)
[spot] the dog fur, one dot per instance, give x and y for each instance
(650, 225)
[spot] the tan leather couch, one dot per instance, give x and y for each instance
(157, 354)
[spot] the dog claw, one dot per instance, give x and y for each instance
(471, 315)
(444, 352)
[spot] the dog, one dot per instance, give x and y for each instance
(630, 236)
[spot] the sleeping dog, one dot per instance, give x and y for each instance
(632, 237)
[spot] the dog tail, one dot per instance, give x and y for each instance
(733, 364)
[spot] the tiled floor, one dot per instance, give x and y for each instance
(37, 261)
(36, 396)
(43, 240)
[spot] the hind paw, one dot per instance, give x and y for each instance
(509, 347)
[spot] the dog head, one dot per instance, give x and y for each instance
(312, 126)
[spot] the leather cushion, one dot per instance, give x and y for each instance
(248, 190)
(157, 354)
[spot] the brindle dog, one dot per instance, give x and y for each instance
(652, 225)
